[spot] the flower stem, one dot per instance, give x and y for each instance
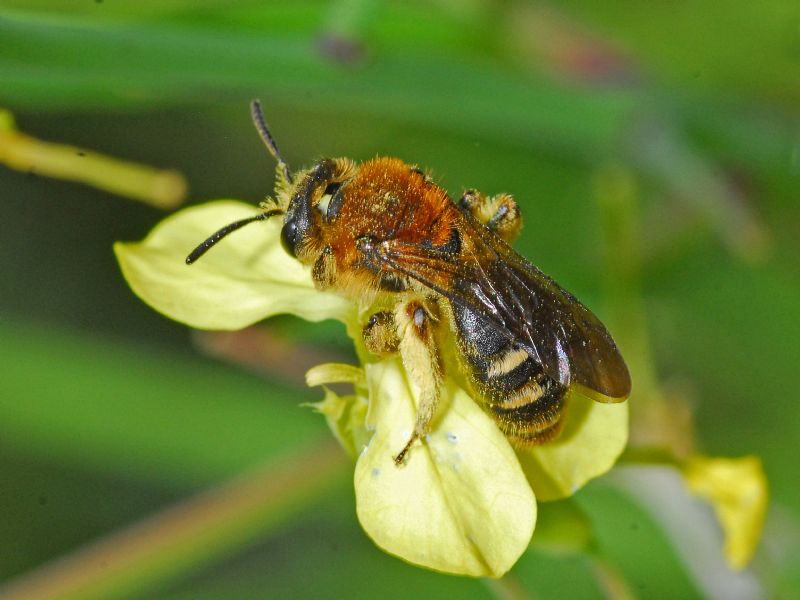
(168, 544)
(610, 580)
(160, 188)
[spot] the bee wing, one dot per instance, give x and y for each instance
(518, 300)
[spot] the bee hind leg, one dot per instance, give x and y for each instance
(415, 324)
(500, 213)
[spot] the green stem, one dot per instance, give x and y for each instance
(178, 539)
(157, 187)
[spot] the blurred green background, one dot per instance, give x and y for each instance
(110, 412)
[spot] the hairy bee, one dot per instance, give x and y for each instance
(382, 229)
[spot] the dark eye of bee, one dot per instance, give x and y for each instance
(289, 237)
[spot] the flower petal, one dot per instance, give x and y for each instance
(461, 503)
(737, 489)
(334, 373)
(245, 278)
(594, 436)
(345, 416)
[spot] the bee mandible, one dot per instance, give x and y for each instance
(382, 232)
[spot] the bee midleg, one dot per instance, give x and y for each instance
(500, 213)
(380, 334)
(415, 321)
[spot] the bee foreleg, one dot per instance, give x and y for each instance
(415, 324)
(500, 213)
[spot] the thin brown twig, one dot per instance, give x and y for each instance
(508, 587)
(179, 538)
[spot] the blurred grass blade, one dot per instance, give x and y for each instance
(182, 538)
(660, 151)
(104, 65)
(160, 188)
(154, 415)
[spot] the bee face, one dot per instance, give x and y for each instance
(382, 227)
(301, 223)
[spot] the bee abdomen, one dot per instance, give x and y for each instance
(531, 414)
(526, 404)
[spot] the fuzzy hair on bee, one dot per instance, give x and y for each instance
(382, 232)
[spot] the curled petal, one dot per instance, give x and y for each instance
(245, 278)
(334, 373)
(593, 437)
(345, 416)
(461, 503)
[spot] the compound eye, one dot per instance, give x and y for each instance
(289, 238)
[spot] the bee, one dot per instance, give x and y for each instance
(382, 231)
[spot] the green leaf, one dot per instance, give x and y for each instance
(562, 529)
(141, 411)
(83, 62)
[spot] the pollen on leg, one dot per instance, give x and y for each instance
(380, 334)
(500, 213)
(416, 320)
(505, 219)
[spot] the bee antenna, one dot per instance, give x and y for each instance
(214, 238)
(266, 137)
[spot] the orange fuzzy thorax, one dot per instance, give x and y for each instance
(388, 200)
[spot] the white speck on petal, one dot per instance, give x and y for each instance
(452, 437)
(376, 471)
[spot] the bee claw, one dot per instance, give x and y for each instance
(400, 459)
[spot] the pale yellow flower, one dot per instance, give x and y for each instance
(465, 502)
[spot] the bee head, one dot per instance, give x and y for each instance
(302, 220)
(298, 197)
